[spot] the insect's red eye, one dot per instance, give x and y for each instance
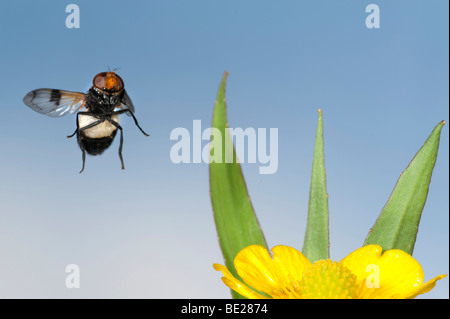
(108, 81)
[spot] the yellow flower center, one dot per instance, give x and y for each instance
(327, 280)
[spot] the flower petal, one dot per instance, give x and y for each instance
(358, 260)
(289, 263)
(256, 268)
(426, 287)
(400, 275)
(236, 284)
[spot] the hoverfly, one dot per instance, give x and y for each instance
(96, 126)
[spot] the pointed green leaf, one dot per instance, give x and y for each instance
(236, 222)
(316, 243)
(398, 223)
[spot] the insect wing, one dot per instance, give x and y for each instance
(54, 102)
(126, 101)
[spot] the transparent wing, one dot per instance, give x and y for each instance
(54, 102)
(126, 101)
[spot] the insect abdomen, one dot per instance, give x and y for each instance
(95, 146)
(103, 129)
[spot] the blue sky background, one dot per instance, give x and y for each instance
(148, 231)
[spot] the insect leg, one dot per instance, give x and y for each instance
(83, 150)
(121, 140)
(76, 130)
(83, 156)
(134, 118)
(78, 127)
(91, 125)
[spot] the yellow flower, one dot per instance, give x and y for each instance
(365, 273)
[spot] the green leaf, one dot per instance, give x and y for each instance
(398, 223)
(316, 243)
(236, 222)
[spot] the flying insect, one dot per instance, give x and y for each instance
(98, 122)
